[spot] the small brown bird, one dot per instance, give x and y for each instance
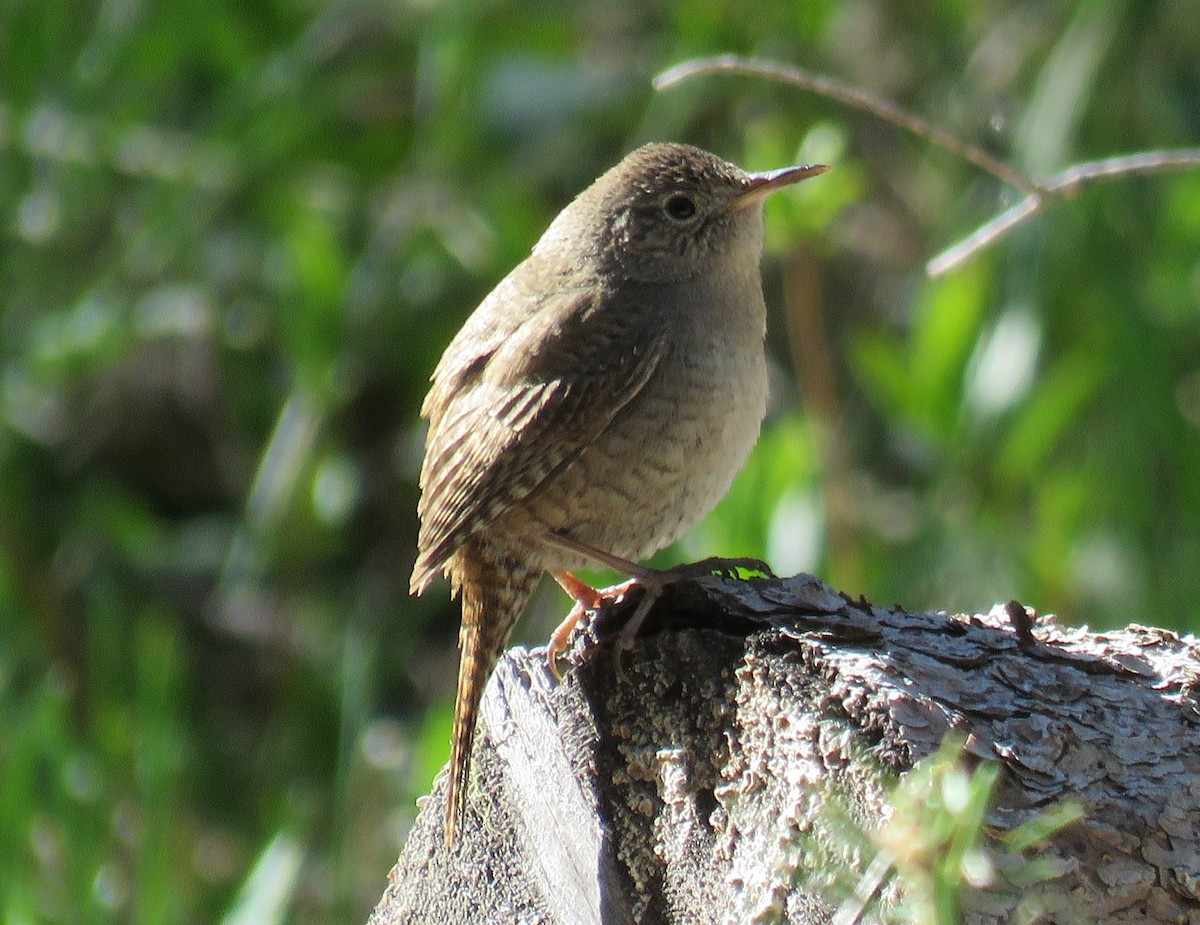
(599, 401)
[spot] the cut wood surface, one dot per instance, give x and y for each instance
(699, 784)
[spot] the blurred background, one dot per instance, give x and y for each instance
(237, 236)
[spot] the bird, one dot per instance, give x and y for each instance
(596, 405)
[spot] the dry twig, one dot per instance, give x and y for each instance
(1038, 195)
(1062, 185)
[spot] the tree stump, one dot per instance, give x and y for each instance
(696, 784)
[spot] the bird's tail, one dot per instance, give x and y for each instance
(493, 597)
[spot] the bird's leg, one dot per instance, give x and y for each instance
(586, 598)
(625, 566)
(592, 599)
(660, 579)
(653, 583)
(589, 599)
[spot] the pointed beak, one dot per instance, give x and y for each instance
(764, 184)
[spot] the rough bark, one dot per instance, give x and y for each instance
(697, 785)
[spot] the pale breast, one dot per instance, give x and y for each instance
(672, 452)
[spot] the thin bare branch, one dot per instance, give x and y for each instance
(984, 235)
(1038, 195)
(851, 96)
(1068, 182)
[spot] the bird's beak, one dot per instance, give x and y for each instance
(764, 184)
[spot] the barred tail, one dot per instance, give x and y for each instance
(493, 596)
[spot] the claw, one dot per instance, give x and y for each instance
(651, 582)
(560, 638)
(629, 632)
(587, 599)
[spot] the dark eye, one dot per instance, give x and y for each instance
(680, 207)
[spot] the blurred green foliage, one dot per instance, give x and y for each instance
(236, 238)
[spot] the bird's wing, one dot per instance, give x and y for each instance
(507, 413)
(505, 310)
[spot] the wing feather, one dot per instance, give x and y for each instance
(508, 412)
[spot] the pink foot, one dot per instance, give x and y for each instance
(591, 600)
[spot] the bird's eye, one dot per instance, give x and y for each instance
(680, 207)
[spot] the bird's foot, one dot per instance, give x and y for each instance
(587, 600)
(651, 582)
(590, 603)
(654, 582)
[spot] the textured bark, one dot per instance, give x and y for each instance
(697, 786)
